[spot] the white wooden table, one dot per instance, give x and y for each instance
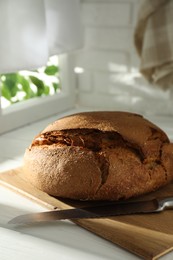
(61, 240)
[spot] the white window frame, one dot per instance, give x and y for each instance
(29, 111)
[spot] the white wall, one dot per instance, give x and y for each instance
(111, 77)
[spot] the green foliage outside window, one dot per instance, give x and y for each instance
(24, 85)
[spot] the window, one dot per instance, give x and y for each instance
(31, 110)
(24, 85)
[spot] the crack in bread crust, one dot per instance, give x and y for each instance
(91, 139)
(103, 163)
(162, 164)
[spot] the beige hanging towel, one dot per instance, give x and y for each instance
(154, 41)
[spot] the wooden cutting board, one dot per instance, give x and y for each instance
(146, 235)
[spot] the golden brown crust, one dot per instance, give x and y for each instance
(100, 156)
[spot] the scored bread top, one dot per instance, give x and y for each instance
(132, 127)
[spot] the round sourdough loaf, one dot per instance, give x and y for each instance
(99, 156)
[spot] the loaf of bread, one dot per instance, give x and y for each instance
(99, 156)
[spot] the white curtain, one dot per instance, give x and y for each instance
(33, 30)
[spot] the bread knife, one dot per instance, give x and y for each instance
(100, 211)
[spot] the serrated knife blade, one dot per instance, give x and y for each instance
(100, 211)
